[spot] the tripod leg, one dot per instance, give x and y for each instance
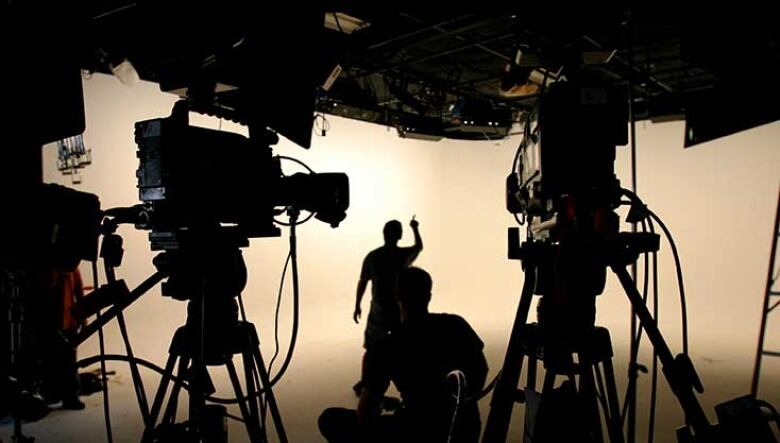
(503, 400)
(532, 367)
(680, 383)
(159, 397)
(252, 426)
(251, 392)
(614, 420)
(587, 394)
(173, 400)
(269, 396)
(534, 426)
(138, 382)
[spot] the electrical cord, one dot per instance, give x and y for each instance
(88, 361)
(772, 410)
(103, 375)
(636, 339)
(523, 143)
(308, 217)
(296, 305)
(481, 394)
(295, 160)
(678, 267)
(276, 315)
(654, 376)
(458, 399)
(234, 417)
(518, 158)
(321, 124)
(652, 217)
(311, 171)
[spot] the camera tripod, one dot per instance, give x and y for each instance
(204, 267)
(207, 420)
(210, 273)
(569, 274)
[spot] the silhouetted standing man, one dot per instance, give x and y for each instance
(382, 267)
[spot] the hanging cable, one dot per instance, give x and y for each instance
(654, 371)
(311, 171)
(772, 410)
(321, 125)
(295, 160)
(296, 298)
(637, 337)
(103, 375)
(461, 377)
(481, 394)
(88, 361)
(678, 269)
(276, 315)
(634, 323)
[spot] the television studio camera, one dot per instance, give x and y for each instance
(563, 187)
(200, 209)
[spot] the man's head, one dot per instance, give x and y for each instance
(414, 293)
(392, 232)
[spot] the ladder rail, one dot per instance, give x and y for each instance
(768, 293)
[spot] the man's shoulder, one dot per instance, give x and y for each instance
(409, 249)
(372, 255)
(455, 325)
(453, 319)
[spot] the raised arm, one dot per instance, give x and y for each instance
(418, 243)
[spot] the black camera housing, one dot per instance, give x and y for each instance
(60, 227)
(191, 177)
(580, 124)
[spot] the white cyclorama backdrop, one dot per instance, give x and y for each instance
(718, 199)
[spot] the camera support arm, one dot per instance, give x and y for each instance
(89, 330)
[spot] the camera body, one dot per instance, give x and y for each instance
(191, 178)
(567, 164)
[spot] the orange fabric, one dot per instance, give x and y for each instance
(66, 288)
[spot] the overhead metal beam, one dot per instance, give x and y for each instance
(630, 65)
(436, 55)
(423, 30)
